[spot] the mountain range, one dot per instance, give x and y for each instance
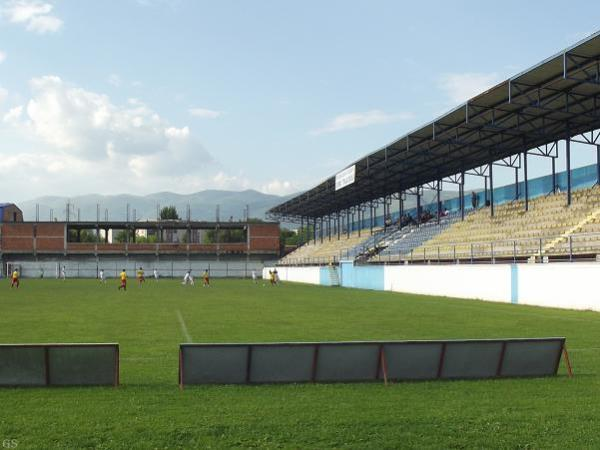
(203, 205)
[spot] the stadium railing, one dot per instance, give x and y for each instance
(580, 246)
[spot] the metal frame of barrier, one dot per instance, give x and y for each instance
(363, 361)
(45, 365)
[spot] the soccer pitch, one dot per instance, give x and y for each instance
(149, 411)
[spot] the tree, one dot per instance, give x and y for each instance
(288, 237)
(169, 213)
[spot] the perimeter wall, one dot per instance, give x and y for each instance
(560, 285)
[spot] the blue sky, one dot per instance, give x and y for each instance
(141, 96)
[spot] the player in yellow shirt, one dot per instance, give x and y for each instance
(140, 276)
(205, 279)
(123, 280)
(14, 280)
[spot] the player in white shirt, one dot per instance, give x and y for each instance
(188, 279)
(63, 273)
(155, 274)
(254, 276)
(101, 276)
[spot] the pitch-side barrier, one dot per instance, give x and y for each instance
(299, 362)
(59, 364)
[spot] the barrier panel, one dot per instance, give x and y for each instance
(59, 365)
(297, 362)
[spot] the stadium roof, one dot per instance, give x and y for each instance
(553, 100)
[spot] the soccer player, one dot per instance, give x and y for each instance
(14, 280)
(140, 276)
(101, 276)
(272, 277)
(123, 280)
(205, 279)
(254, 276)
(188, 279)
(155, 274)
(63, 273)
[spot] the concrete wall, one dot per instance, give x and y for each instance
(311, 275)
(560, 285)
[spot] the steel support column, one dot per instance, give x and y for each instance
(371, 217)
(516, 183)
(598, 164)
(338, 226)
(568, 151)
(492, 190)
(321, 229)
(400, 208)
(485, 190)
(301, 232)
(461, 190)
(418, 206)
(439, 202)
(526, 180)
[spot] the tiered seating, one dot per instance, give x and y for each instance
(403, 241)
(327, 251)
(543, 230)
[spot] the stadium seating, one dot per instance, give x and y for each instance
(549, 228)
(403, 241)
(327, 251)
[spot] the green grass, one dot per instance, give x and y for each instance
(149, 411)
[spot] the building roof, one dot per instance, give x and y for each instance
(553, 100)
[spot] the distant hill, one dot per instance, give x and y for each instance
(202, 205)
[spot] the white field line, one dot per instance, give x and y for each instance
(184, 329)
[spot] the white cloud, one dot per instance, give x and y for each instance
(279, 187)
(2, 56)
(3, 94)
(70, 140)
(86, 125)
(460, 87)
(348, 121)
(114, 80)
(203, 113)
(34, 14)
(13, 115)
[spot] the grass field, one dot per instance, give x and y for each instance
(149, 411)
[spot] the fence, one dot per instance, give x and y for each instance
(112, 268)
(59, 364)
(368, 361)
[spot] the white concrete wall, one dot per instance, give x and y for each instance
(310, 274)
(560, 285)
(485, 282)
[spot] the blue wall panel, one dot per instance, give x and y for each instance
(362, 277)
(324, 276)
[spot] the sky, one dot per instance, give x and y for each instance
(142, 96)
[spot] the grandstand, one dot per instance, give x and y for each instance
(539, 112)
